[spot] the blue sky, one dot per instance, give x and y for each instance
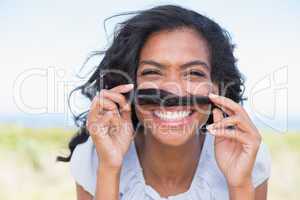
(56, 36)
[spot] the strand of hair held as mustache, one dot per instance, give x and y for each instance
(153, 96)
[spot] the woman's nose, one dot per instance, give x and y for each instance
(174, 86)
(173, 83)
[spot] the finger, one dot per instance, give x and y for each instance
(225, 110)
(98, 128)
(235, 120)
(122, 88)
(100, 104)
(217, 115)
(117, 130)
(234, 134)
(98, 123)
(99, 132)
(226, 103)
(117, 98)
(123, 132)
(125, 106)
(126, 109)
(115, 118)
(103, 130)
(123, 136)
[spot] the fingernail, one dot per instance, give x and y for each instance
(130, 85)
(211, 126)
(212, 131)
(212, 95)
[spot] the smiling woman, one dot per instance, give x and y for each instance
(125, 150)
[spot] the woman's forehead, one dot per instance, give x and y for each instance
(176, 46)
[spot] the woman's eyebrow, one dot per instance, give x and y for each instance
(195, 62)
(183, 66)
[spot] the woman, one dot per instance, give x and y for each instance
(129, 151)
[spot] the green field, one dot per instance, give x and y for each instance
(29, 170)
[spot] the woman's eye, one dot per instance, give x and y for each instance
(145, 72)
(196, 73)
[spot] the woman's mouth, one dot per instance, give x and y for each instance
(173, 117)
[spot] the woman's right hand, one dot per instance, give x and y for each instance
(111, 127)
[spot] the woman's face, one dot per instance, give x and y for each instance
(176, 61)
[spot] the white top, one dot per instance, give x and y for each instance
(208, 183)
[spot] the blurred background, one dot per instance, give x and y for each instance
(45, 43)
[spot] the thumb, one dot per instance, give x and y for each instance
(126, 111)
(217, 115)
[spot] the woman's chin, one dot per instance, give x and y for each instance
(172, 137)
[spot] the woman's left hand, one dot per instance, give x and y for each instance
(235, 148)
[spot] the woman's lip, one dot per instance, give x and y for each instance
(188, 119)
(174, 108)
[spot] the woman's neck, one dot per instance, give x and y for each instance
(165, 165)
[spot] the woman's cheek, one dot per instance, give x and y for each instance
(145, 116)
(199, 88)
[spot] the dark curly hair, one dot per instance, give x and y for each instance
(129, 38)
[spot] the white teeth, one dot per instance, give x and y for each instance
(175, 115)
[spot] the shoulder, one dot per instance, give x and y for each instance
(215, 180)
(262, 166)
(84, 164)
